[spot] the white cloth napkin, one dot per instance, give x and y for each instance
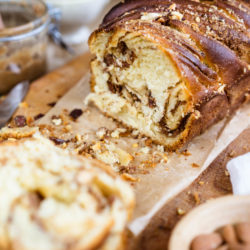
(239, 169)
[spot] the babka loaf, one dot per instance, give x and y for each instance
(53, 200)
(171, 68)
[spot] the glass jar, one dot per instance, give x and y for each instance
(23, 41)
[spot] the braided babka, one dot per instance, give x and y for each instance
(171, 68)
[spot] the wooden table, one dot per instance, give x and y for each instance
(213, 182)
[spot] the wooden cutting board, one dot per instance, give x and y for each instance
(213, 182)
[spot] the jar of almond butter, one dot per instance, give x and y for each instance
(23, 41)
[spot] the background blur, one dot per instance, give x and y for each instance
(78, 19)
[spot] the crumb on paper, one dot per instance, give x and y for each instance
(116, 133)
(186, 153)
(135, 133)
(23, 105)
(145, 150)
(101, 133)
(129, 177)
(78, 137)
(160, 148)
(195, 165)
(17, 133)
(68, 128)
(56, 121)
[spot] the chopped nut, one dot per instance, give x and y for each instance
(197, 198)
(232, 154)
(180, 211)
(207, 241)
(229, 235)
(243, 232)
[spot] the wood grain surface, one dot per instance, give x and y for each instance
(213, 182)
(45, 92)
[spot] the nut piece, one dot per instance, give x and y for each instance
(206, 241)
(224, 247)
(229, 235)
(238, 247)
(243, 232)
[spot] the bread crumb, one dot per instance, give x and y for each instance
(97, 146)
(197, 19)
(68, 128)
(145, 150)
(177, 15)
(78, 137)
(23, 105)
(129, 177)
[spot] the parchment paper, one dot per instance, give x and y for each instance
(164, 181)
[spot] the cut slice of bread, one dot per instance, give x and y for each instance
(53, 200)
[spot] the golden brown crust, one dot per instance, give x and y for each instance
(208, 41)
